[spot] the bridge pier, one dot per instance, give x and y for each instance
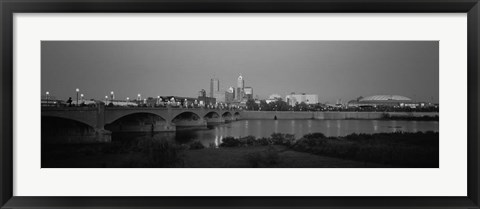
(168, 126)
(102, 136)
(236, 117)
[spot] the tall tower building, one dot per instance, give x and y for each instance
(240, 82)
(214, 86)
(240, 88)
(230, 95)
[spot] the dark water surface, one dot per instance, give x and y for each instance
(213, 135)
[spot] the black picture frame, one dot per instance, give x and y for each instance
(9, 7)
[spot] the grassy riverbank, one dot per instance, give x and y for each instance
(271, 156)
(392, 149)
(396, 149)
(279, 150)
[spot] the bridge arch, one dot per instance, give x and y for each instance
(130, 115)
(227, 114)
(86, 117)
(57, 122)
(236, 115)
(212, 114)
(56, 129)
(189, 119)
(112, 115)
(186, 115)
(138, 122)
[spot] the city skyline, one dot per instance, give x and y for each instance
(130, 67)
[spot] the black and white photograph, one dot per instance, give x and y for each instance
(240, 104)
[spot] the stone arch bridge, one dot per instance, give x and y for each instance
(101, 121)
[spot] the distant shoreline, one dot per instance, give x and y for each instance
(280, 115)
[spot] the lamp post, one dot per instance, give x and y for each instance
(77, 90)
(158, 100)
(81, 97)
(106, 99)
(139, 97)
(46, 95)
(112, 96)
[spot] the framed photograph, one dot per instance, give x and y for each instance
(239, 104)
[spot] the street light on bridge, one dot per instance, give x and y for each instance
(106, 99)
(46, 96)
(77, 90)
(81, 97)
(112, 96)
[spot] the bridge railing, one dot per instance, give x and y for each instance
(166, 107)
(66, 108)
(91, 108)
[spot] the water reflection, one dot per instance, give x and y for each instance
(214, 135)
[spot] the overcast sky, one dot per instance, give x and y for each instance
(332, 69)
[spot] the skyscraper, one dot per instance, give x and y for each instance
(240, 86)
(240, 82)
(214, 86)
(230, 95)
(215, 90)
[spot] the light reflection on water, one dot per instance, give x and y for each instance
(264, 128)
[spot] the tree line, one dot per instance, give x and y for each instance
(281, 105)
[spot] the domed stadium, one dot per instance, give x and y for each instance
(382, 100)
(385, 98)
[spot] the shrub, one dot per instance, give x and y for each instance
(230, 142)
(248, 141)
(282, 139)
(264, 141)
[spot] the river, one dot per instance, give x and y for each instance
(213, 135)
